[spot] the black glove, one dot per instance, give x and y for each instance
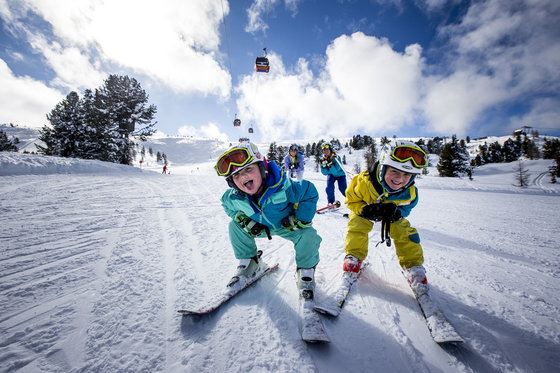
(291, 223)
(325, 163)
(387, 212)
(292, 166)
(251, 226)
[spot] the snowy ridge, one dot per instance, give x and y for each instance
(97, 258)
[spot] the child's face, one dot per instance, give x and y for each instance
(326, 152)
(249, 179)
(396, 179)
(293, 152)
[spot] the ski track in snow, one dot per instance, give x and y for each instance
(94, 267)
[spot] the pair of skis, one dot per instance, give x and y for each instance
(311, 325)
(440, 328)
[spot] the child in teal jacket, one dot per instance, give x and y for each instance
(263, 202)
(331, 167)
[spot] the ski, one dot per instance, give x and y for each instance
(439, 326)
(334, 306)
(330, 207)
(312, 329)
(230, 292)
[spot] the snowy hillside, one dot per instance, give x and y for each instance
(96, 258)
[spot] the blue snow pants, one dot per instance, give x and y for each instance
(330, 187)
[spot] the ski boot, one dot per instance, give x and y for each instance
(246, 269)
(306, 282)
(351, 264)
(416, 277)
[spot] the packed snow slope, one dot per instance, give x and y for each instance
(96, 259)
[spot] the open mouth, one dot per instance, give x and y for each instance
(248, 184)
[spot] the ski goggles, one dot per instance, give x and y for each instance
(237, 157)
(406, 153)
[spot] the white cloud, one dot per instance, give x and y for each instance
(452, 104)
(210, 130)
(23, 100)
(366, 86)
(501, 52)
(174, 42)
(72, 67)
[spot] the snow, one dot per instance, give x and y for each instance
(96, 258)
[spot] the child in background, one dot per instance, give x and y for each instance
(331, 167)
(293, 163)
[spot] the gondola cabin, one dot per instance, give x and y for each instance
(262, 64)
(237, 122)
(250, 129)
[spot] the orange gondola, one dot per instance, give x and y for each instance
(236, 121)
(261, 63)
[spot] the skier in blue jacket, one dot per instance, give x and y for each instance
(293, 163)
(263, 202)
(332, 168)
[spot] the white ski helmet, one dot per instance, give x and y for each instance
(237, 158)
(403, 155)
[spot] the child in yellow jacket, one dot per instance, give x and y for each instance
(387, 194)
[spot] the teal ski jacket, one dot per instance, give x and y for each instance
(280, 198)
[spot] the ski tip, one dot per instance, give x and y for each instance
(327, 311)
(188, 313)
(450, 341)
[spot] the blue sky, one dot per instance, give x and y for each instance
(338, 68)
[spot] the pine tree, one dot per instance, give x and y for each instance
(125, 103)
(551, 149)
(371, 155)
(7, 145)
(454, 159)
(64, 135)
(272, 152)
(511, 151)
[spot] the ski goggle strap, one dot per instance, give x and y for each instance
(406, 153)
(237, 157)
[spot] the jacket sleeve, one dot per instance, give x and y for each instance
(406, 209)
(306, 196)
(354, 197)
(227, 204)
(300, 162)
(286, 163)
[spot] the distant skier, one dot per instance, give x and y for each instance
(164, 169)
(386, 193)
(331, 167)
(261, 203)
(293, 163)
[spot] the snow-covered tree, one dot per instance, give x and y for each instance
(65, 133)
(7, 144)
(98, 125)
(454, 159)
(125, 102)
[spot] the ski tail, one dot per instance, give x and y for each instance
(229, 293)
